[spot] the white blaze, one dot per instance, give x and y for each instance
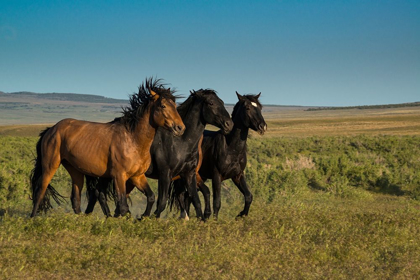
(254, 104)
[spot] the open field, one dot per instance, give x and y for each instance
(336, 196)
(396, 121)
(283, 121)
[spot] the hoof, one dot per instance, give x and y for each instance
(207, 215)
(184, 216)
(240, 216)
(142, 218)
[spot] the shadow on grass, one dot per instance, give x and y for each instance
(14, 212)
(384, 186)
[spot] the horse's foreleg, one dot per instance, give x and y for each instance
(92, 192)
(240, 182)
(206, 193)
(163, 187)
(217, 186)
(181, 196)
(101, 189)
(191, 181)
(93, 198)
(102, 197)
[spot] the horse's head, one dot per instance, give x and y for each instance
(248, 111)
(163, 111)
(213, 110)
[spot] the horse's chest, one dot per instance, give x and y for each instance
(185, 163)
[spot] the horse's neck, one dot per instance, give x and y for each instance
(194, 126)
(144, 132)
(238, 136)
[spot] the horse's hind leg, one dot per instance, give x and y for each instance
(45, 180)
(122, 205)
(46, 165)
(77, 179)
(150, 195)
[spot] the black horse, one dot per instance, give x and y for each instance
(176, 157)
(224, 157)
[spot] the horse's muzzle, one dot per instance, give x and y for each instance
(178, 130)
(262, 128)
(227, 126)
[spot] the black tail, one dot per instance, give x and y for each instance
(36, 180)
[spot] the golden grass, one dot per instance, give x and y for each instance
(400, 121)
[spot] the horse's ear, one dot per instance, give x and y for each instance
(240, 97)
(154, 95)
(258, 95)
(192, 92)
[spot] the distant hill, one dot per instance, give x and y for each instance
(75, 97)
(25, 107)
(386, 106)
(45, 108)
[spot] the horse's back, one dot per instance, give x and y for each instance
(83, 144)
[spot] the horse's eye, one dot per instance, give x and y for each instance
(162, 106)
(211, 103)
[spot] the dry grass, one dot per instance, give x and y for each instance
(302, 162)
(401, 121)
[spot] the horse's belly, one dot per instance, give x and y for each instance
(89, 165)
(231, 170)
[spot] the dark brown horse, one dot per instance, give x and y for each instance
(119, 150)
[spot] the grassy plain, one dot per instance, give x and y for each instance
(336, 196)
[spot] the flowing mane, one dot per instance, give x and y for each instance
(185, 107)
(250, 97)
(139, 101)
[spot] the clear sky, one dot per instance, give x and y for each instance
(334, 53)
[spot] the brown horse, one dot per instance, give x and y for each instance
(119, 150)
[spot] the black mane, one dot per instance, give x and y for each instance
(250, 97)
(139, 101)
(185, 107)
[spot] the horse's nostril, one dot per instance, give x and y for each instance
(228, 124)
(179, 128)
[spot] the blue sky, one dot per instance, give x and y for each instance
(333, 53)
